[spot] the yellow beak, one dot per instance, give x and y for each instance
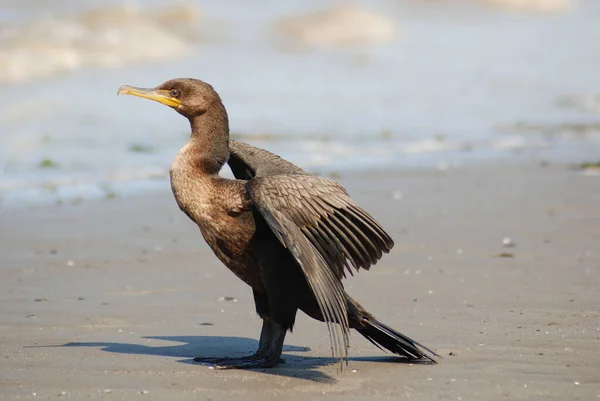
(161, 96)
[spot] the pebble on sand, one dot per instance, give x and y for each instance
(507, 242)
(342, 25)
(502, 255)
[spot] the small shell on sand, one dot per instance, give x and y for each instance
(338, 26)
(539, 6)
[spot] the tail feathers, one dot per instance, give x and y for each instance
(385, 337)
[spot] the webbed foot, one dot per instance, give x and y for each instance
(247, 362)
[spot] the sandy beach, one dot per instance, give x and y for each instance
(471, 112)
(111, 299)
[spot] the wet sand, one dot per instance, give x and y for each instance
(111, 299)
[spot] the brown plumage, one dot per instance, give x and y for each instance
(289, 235)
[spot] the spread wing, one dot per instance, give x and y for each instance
(326, 232)
(341, 232)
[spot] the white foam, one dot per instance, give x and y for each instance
(112, 36)
(539, 6)
(342, 25)
(586, 102)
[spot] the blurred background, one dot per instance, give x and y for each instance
(334, 86)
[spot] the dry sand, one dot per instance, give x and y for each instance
(112, 299)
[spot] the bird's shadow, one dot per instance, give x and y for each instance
(303, 367)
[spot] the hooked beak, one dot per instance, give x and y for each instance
(161, 96)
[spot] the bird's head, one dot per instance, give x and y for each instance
(189, 97)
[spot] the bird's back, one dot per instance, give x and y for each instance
(247, 161)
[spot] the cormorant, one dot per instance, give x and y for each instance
(287, 234)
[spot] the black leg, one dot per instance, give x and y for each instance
(266, 336)
(268, 354)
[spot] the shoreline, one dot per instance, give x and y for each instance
(77, 190)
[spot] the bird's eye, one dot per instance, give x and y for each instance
(175, 92)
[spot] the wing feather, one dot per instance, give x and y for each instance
(326, 232)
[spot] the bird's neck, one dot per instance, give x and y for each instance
(209, 142)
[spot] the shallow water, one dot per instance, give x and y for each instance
(459, 82)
